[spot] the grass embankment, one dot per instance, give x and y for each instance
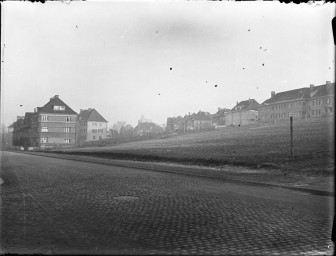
(256, 146)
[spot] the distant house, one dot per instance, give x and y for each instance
(53, 125)
(218, 119)
(191, 122)
(302, 103)
(245, 112)
(201, 121)
(91, 126)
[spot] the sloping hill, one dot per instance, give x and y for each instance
(255, 146)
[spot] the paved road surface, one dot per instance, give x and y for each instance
(64, 206)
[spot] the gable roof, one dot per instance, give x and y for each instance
(55, 101)
(221, 111)
(296, 94)
(91, 115)
(302, 93)
(324, 90)
(250, 104)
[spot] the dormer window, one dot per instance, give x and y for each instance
(61, 108)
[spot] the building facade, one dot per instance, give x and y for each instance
(92, 126)
(302, 103)
(191, 122)
(50, 126)
(244, 113)
(218, 119)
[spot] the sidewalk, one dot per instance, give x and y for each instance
(322, 186)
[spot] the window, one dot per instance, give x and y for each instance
(94, 137)
(327, 100)
(62, 108)
(100, 124)
(67, 119)
(44, 140)
(44, 118)
(94, 130)
(67, 141)
(313, 112)
(313, 102)
(67, 129)
(44, 129)
(100, 137)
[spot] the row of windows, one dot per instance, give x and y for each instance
(303, 113)
(46, 118)
(96, 124)
(321, 101)
(45, 140)
(46, 129)
(300, 103)
(97, 130)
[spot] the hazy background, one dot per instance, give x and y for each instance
(116, 57)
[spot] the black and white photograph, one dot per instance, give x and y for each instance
(167, 128)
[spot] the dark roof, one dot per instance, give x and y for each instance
(201, 115)
(28, 115)
(288, 95)
(11, 126)
(221, 111)
(324, 90)
(91, 115)
(302, 93)
(250, 104)
(55, 101)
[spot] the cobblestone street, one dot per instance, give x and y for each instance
(64, 206)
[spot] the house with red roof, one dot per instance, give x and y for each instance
(244, 113)
(92, 126)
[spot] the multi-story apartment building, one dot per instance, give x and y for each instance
(322, 100)
(302, 103)
(245, 112)
(50, 126)
(91, 126)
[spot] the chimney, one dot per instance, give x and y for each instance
(311, 86)
(55, 97)
(237, 103)
(272, 94)
(35, 110)
(80, 111)
(327, 82)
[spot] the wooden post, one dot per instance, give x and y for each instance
(291, 136)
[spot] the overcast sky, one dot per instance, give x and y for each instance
(159, 59)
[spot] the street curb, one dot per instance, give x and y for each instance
(176, 169)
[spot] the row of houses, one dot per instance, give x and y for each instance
(303, 103)
(57, 125)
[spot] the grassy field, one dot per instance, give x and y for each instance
(256, 146)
